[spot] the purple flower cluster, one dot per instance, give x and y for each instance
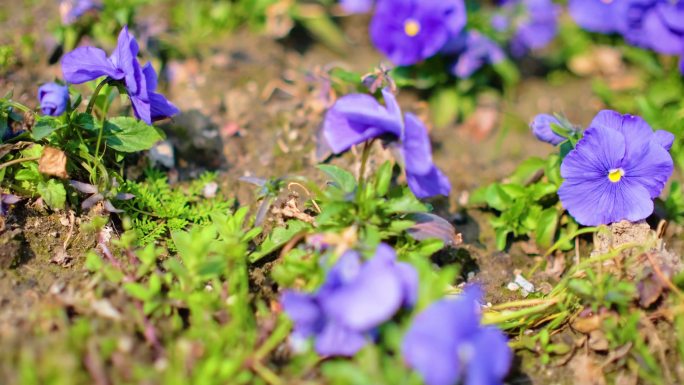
(88, 63)
(357, 118)
(653, 24)
(616, 170)
(354, 300)
(53, 98)
(533, 23)
(446, 343)
(410, 31)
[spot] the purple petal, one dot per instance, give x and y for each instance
(125, 58)
(371, 299)
(664, 138)
(429, 185)
(124, 196)
(491, 358)
(598, 152)
(337, 340)
(83, 187)
(109, 207)
(416, 146)
(90, 202)
(86, 64)
(10, 199)
(541, 128)
(409, 283)
(141, 108)
(659, 36)
(357, 6)
(594, 15)
(596, 202)
(53, 98)
(303, 310)
(356, 118)
(431, 343)
(650, 168)
(161, 108)
(478, 51)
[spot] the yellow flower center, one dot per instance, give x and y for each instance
(616, 174)
(411, 27)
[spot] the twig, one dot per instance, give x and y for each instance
(17, 161)
(662, 276)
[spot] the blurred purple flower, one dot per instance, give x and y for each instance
(541, 128)
(446, 343)
(88, 63)
(355, 299)
(357, 6)
(5, 201)
(97, 196)
(357, 118)
(534, 23)
(616, 170)
(475, 51)
(53, 98)
(410, 31)
(72, 10)
(598, 15)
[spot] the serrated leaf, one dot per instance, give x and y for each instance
(85, 122)
(44, 126)
(127, 134)
(53, 193)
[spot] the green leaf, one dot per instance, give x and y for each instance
(44, 126)
(383, 177)
(343, 179)
(85, 122)
(497, 198)
(127, 134)
(501, 238)
(278, 238)
(527, 170)
(546, 227)
(53, 193)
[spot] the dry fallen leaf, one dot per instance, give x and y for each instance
(586, 371)
(53, 162)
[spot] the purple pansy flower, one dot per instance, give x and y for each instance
(541, 128)
(410, 31)
(357, 6)
(53, 98)
(89, 63)
(616, 170)
(357, 118)
(355, 298)
(475, 50)
(446, 343)
(72, 10)
(534, 23)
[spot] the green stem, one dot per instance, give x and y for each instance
(364, 159)
(91, 103)
(17, 161)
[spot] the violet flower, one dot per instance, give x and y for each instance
(446, 344)
(5, 201)
(598, 15)
(656, 25)
(475, 51)
(88, 63)
(355, 299)
(410, 31)
(53, 98)
(72, 10)
(541, 128)
(357, 6)
(97, 196)
(357, 118)
(616, 170)
(534, 23)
